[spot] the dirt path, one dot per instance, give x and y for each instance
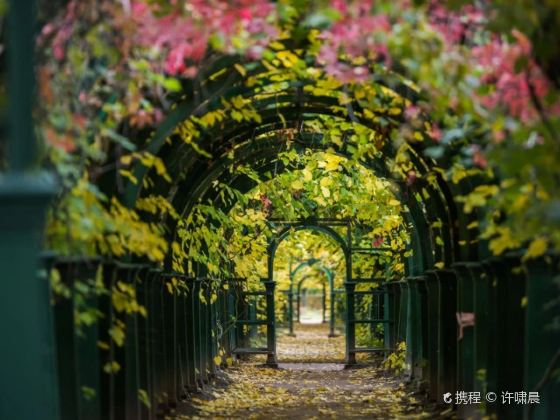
(310, 384)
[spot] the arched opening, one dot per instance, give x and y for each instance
(311, 305)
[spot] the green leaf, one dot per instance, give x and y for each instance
(172, 84)
(144, 398)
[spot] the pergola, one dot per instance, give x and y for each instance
(171, 351)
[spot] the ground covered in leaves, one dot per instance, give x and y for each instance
(310, 383)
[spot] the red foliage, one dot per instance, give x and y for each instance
(185, 34)
(266, 203)
(478, 157)
(456, 27)
(514, 90)
(61, 31)
(354, 35)
(378, 241)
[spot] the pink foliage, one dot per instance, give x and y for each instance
(61, 32)
(185, 34)
(353, 35)
(478, 157)
(513, 89)
(455, 26)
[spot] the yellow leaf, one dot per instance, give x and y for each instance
(437, 224)
(393, 202)
(524, 301)
(536, 248)
(359, 93)
(129, 176)
(287, 58)
(238, 102)
(217, 360)
(276, 45)
(503, 241)
(240, 69)
(103, 345)
(144, 398)
(331, 162)
(458, 173)
(297, 184)
(325, 182)
(472, 225)
(440, 265)
(111, 367)
(117, 334)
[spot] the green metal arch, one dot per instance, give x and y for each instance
(330, 278)
(301, 106)
(276, 240)
(310, 263)
(157, 142)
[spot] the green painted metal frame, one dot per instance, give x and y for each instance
(323, 225)
(330, 278)
(323, 304)
(248, 317)
(29, 378)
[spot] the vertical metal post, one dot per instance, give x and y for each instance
(447, 333)
(324, 304)
(542, 341)
(481, 328)
(269, 285)
(433, 317)
(197, 340)
(331, 306)
(413, 330)
(21, 84)
(291, 311)
(373, 311)
(332, 315)
(465, 345)
(350, 311)
(29, 382)
(271, 325)
(291, 302)
(350, 324)
(410, 327)
(298, 299)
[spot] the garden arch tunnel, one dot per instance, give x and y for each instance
(303, 296)
(173, 350)
(433, 286)
(324, 226)
(312, 262)
(290, 107)
(295, 108)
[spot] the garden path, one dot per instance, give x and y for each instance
(310, 383)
